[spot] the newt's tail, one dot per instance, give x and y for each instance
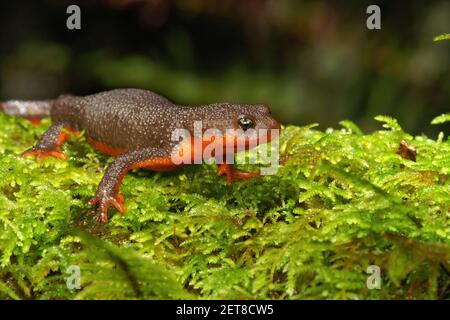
(32, 110)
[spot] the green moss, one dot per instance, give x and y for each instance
(342, 200)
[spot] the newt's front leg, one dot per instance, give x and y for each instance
(232, 173)
(108, 190)
(50, 144)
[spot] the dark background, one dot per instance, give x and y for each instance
(312, 61)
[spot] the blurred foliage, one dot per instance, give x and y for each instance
(442, 37)
(342, 200)
(312, 61)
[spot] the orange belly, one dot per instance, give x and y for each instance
(157, 164)
(104, 148)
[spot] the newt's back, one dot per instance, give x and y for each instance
(123, 118)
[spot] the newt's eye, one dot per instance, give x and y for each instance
(246, 123)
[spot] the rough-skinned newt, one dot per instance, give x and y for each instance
(136, 126)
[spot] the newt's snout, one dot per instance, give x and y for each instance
(268, 124)
(273, 124)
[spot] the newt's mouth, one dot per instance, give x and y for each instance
(250, 139)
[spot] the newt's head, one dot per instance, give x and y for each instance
(226, 115)
(224, 128)
(254, 120)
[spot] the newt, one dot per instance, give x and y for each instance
(136, 127)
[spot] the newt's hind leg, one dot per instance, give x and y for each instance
(50, 144)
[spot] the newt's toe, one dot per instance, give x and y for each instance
(117, 204)
(103, 202)
(120, 198)
(231, 173)
(238, 174)
(42, 154)
(35, 122)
